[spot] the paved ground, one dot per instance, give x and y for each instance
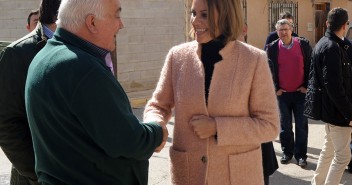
(289, 174)
(5, 168)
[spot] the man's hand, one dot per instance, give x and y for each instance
(302, 90)
(203, 126)
(165, 135)
(279, 92)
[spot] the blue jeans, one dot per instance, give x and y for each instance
(293, 145)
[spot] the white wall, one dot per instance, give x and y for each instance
(152, 27)
(13, 18)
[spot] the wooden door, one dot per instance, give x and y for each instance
(321, 11)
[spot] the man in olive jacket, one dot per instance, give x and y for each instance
(83, 127)
(15, 137)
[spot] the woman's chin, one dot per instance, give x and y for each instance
(203, 40)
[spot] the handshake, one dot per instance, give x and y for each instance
(165, 135)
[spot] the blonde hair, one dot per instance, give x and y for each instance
(230, 19)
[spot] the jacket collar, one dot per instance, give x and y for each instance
(225, 52)
(68, 37)
(42, 37)
(345, 44)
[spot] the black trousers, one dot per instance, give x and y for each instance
(270, 164)
(266, 180)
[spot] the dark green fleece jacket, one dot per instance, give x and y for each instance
(83, 128)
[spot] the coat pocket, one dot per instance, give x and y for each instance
(246, 168)
(179, 167)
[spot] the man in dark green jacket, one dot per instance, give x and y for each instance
(83, 127)
(15, 137)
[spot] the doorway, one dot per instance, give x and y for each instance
(320, 13)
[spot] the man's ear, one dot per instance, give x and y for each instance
(27, 27)
(344, 27)
(91, 23)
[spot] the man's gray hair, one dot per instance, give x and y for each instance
(283, 22)
(72, 13)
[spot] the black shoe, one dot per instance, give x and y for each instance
(349, 167)
(302, 162)
(285, 159)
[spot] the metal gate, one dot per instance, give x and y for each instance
(277, 7)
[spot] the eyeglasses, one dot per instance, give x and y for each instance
(284, 30)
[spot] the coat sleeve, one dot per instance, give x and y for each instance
(15, 137)
(102, 107)
(272, 60)
(262, 123)
(269, 39)
(307, 49)
(159, 107)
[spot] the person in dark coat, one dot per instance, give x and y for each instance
(289, 59)
(82, 124)
(15, 137)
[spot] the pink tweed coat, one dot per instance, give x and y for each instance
(242, 101)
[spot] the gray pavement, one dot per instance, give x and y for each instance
(289, 174)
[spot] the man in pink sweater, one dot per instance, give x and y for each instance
(289, 59)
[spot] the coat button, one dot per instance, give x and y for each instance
(204, 159)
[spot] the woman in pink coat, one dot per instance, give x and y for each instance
(223, 97)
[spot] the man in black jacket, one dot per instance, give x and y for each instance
(289, 60)
(15, 137)
(332, 64)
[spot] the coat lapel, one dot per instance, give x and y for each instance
(222, 84)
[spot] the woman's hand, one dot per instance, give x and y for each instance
(203, 126)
